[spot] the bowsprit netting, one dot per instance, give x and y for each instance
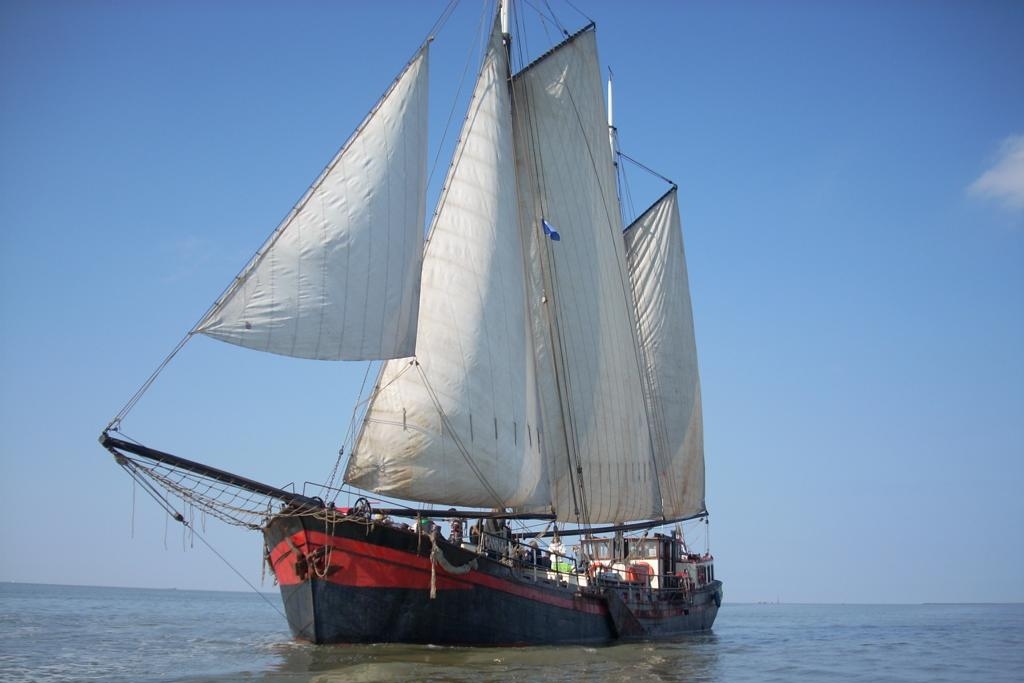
(227, 503)
(226, 496)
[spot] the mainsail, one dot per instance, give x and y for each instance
(339, 278)
(657, 268)
(598, 445)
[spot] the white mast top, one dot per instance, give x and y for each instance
(611, 123)
(611, 118)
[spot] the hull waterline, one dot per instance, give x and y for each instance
(356, 581)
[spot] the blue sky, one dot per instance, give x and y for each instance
(852, 189)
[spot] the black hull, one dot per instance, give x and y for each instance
(350, 581)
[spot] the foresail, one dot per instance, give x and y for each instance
(589, 365)
(657, 268)
(339, 278)
(457, 425)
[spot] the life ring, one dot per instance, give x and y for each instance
(639, 572)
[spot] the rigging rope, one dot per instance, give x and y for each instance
(443, 19)
(581, 12)
(332, 477)
(546, 19)
(115, 423)
(547, 271)
(173, 513)
(646, 168)
(461, 447)
(454, 107)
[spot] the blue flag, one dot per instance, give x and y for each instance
(550, 231)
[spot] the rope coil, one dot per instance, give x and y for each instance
(437, 557)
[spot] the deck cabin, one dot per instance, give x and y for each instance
(660, 561)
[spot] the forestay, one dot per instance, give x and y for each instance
(657, 268)
(339, 278)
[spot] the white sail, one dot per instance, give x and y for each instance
(339, 278)
(657, 268)
(595, 419)
(458, 424)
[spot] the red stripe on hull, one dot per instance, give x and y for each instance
(360, 565)
(366, 565)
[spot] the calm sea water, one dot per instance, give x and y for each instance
(70, 633)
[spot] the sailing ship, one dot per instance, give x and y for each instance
(538, 368)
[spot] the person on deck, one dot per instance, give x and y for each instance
(580, 558)
(557, 550)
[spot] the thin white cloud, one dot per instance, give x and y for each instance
(185, 257)
(1004, 182)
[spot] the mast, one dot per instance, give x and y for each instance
(554, 397)
(612, 133)
(613, 142)
(506, 37)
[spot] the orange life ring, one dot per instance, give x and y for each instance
(640, 572)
